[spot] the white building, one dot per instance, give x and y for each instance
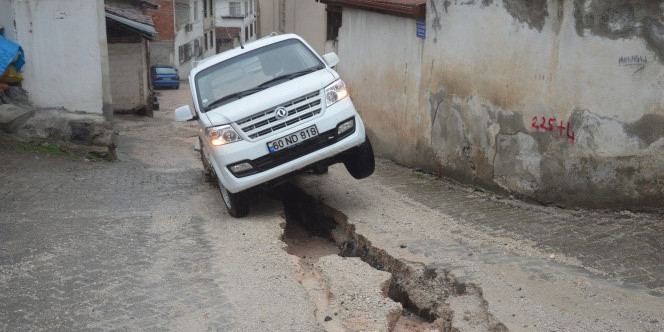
(194, 33)
(235, 21)
(66, 74)
(50, 46)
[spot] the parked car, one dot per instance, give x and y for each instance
(271, 109)
(164, 77)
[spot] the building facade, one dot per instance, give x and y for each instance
(305, 18)
(185, 33)
(66, 75)
(129, 32)
(235, 22)
(557, 101)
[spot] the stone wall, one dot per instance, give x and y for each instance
(559, 101)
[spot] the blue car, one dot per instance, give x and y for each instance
(164, 77)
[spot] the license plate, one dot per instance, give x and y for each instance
(292, 139)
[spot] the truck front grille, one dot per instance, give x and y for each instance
(266, 122)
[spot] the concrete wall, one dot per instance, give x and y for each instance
(66, 74)
(107, 96)
(62, 69)
(162, 53)
(560, 101)
(305, 18)
(129, 85)
(6, 19)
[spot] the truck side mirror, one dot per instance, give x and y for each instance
(184, 113)
(332, 59)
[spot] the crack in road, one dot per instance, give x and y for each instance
(430, 295)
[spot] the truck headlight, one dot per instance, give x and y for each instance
(335, 92)
(221, 135)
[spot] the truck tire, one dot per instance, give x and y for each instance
(319, 169)
(237, 204)
(360, 163)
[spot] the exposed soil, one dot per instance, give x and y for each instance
(313, 230)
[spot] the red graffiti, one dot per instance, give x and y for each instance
(550, 125)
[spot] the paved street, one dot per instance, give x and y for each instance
(138, 244)
(144, 243)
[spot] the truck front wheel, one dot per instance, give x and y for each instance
(360, 162)
(237, 204)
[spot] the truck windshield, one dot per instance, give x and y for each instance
(254, 71)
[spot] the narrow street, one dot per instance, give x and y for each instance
(145, 243)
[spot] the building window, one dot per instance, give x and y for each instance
(205, 8)
(182, 14)
(195, 11)
(246, 34)
(235, 9)
(210, 2)
(185, 52)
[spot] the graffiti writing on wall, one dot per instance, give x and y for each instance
(638, 62)
(632, 60)
(541, 123)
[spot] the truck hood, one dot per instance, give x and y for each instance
(270, 97)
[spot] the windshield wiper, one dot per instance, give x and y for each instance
(236, 95)
(289, 76)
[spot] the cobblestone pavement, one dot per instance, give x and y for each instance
(623, 246)
(538, 268)
(142, 243)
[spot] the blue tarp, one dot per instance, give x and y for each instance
(10, 53)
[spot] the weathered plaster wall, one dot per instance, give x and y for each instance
(381, 64)
(305, 18)
(6, 19)
(129, 84)
(561, 101)
(162, 53)
(45, 29)
(66, 74)
(107, 98)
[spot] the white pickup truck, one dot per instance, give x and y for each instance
(270, 109)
